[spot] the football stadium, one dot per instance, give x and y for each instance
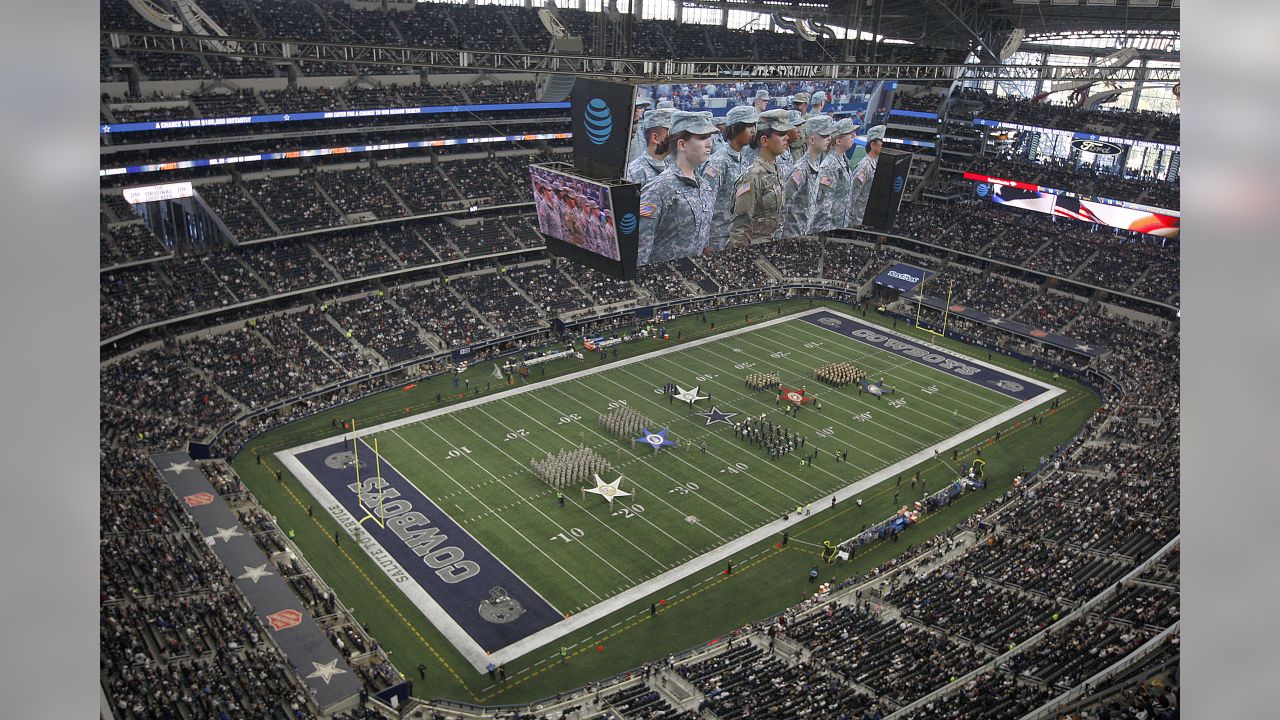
(639, 360)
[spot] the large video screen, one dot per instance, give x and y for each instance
(1103, 211)
(576, 211)
(844, 97)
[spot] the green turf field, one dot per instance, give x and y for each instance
(474, 462)
(732, 489)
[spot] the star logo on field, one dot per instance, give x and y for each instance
(325, 671)
(255, 573)
(714, 416)
(689, 396)
(179, 468)
(656, 440)
(607, 490)
(225, 534)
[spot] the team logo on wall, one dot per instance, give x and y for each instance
(343, 460)
(628, 223)
(599, 121)
(500, 608)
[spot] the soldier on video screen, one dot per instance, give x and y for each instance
(637, 145)
(835, 182)
(727, 167)
(801, 185)
(653, 160)
(758, 197)
(863, 174)
(675, 207)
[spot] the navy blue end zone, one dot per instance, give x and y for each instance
(1006, 383)
(480, 594)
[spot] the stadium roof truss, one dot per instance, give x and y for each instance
(631, 69)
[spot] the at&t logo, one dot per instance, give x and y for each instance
(598, 121)
(628, 223)
(898, 183)
(984, 189)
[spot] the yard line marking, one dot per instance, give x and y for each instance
(778, 467)
(968, 387)
(917, 371)
(676, 454)
(654, 467)
(606, 525)
(932, 434)
(733, 444)
(737, 392)
(503, 520)
(536, 509)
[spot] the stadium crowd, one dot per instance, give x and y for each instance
(174, 632)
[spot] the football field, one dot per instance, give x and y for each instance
(451, 510)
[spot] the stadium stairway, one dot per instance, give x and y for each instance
(471, 308)
(769, 269)
(373, 167)
(363, 349)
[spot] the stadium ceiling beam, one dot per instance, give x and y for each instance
(622, 69)
(978, 25)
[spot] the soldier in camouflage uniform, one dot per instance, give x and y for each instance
(598, 240)
(759, 196)
(636, 148)
(717, 140)
(795, 148)
(863, 174)
(727, 166)
(835, 182)
(675, 207)
(653, 160)
(555, 213)
(574, 223)
(801, 185)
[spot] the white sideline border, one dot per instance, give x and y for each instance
(472, 651)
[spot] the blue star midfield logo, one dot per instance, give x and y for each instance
(655, 440)
(714, 416)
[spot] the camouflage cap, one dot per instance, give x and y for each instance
(741, 114)
(693, 122)
(656, 118)
(819, 125)
(777, 120)
(800, 98)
